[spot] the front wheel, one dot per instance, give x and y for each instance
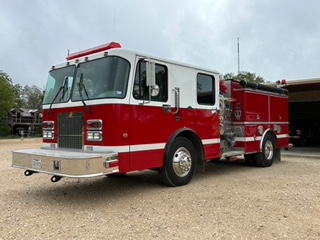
(179, 164)
(268, 152)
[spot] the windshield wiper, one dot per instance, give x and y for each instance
(80, 87)
(63, 86)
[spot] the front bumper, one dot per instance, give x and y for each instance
(63, 163)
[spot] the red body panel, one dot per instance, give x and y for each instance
(260, 111)
(145, 130)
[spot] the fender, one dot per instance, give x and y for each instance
(193, 137)
(268, 130)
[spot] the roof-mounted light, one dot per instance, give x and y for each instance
(89, 51)
(283, 81)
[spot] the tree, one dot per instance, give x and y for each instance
(247, 76)
(7, 96)
(32, 97)
(18, 93)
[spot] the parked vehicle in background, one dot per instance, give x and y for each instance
(22, 132)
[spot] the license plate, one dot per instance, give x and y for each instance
(36, 163)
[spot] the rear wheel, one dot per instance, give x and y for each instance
(180, 163)
(268, 152)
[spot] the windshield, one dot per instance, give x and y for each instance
(59, 78)
(101, 78)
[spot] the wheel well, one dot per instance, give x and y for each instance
(271, 133)
(196, 142)
(277, 153)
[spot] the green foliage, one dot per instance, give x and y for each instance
(32, 97)
(4, 130)
(38, 131)
(247, 76)
(18, 92)
(7, 96)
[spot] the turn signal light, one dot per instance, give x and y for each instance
(48, 125)
(94, 124)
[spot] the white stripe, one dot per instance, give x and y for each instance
(253, 139)
(282, 136)
(117, 149)
(260, 123)
(248, 139)
(146, 147)
(49, 145)
(126, 148)
(153, 146)
(210, 141)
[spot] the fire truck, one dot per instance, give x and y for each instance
(108, 111)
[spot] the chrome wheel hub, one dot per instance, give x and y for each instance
(182, 162)
(268, 150)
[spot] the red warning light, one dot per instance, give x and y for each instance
(283, 81)
(97, 49)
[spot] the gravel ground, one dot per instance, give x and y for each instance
(228, 201)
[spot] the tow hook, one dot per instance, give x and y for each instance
(28, 173)
(290, 146)
(55, 178)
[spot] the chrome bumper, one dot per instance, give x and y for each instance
(64, 163)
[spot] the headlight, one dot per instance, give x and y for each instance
(94, 136)
(48, 134)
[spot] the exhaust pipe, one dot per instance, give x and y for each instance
(55, 179)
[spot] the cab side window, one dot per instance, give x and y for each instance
(205, 89)
(140, 88)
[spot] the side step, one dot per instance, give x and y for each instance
(232, 155)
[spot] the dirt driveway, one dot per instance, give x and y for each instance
(228, 201)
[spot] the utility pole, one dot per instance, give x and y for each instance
(238, 56)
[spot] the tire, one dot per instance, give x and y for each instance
(179, 164)
(268, 152)
(250, 160)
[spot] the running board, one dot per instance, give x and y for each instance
(232, 153)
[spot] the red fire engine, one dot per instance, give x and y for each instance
(110, 111)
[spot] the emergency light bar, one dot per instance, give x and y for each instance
(89, 51)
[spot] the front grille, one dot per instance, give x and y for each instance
(71, 130)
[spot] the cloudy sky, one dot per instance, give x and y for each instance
(279, 39)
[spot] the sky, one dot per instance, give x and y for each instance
(278, 39)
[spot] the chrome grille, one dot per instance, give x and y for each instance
(71, 130)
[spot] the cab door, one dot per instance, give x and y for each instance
(147, 128)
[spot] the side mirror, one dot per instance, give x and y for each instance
(151, 73)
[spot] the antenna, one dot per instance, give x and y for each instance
(238, 56)
(114, 20)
